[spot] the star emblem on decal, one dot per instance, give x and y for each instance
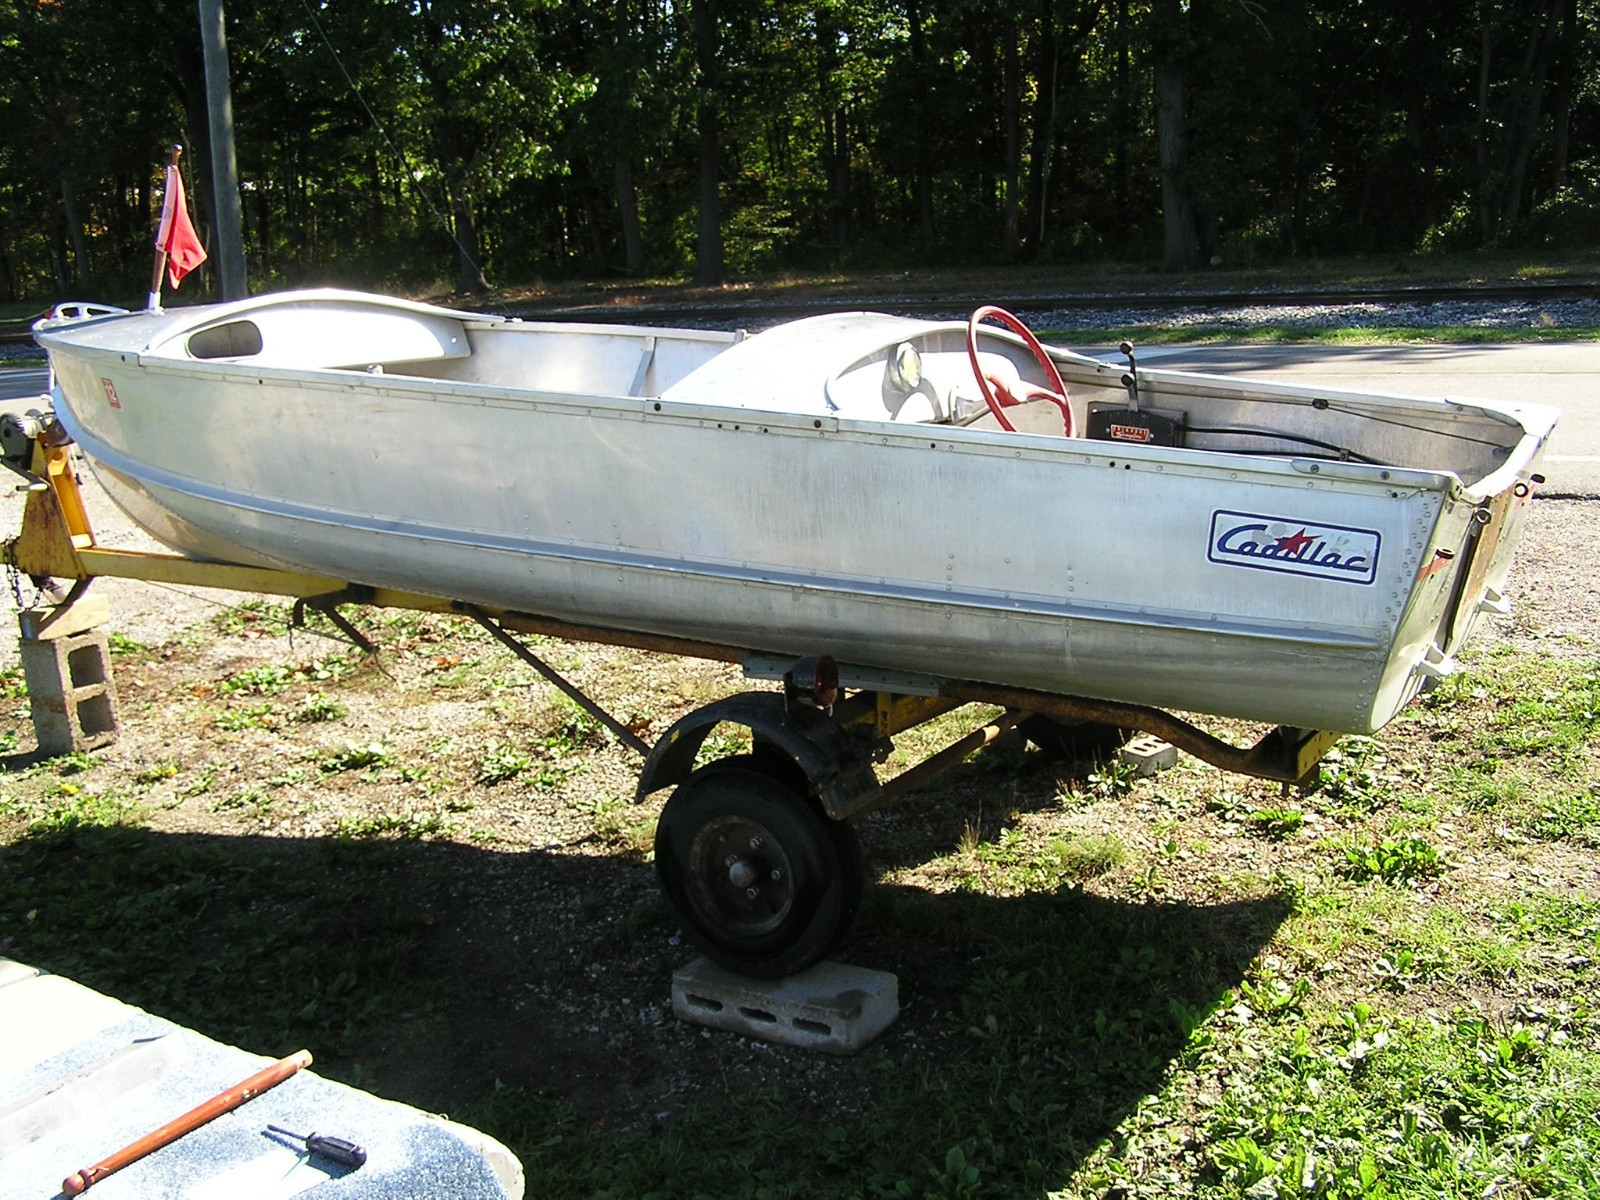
(1293, 543)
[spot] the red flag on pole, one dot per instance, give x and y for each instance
(176, 237)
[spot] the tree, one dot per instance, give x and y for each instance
(708, 242)
(1180, 246)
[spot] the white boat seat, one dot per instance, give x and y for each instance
(790, 369)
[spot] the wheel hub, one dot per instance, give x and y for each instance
(739, 876)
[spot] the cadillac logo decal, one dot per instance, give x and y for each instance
(1294, 547)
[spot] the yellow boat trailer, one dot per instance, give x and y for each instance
(816, 744)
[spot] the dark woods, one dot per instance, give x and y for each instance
(497, 141)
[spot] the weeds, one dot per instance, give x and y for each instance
(79, 810)
(316, 708)
(1276, 822)
(500, 762)
(246, 797)
(723, 741)
(202, 781)
(552, 775)
(258, 617)
(575, 731)
(155, 773)
(257, 716)
(1351, 776)
(1085, 856)
(272, 678)
(258, 681)
(1272, 997)
(1392, 860)
(121, 644)
(1111, 779)
(71, 764)
(1400, 970)
(1021, 864)
(404, 825)
(355, 757)
(1571, 817)
(625, 825)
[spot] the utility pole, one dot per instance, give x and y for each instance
(224, 164)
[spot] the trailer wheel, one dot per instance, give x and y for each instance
(759, 877)
(776, 765)
(1074, 741)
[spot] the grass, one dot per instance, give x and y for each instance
(1184, 985)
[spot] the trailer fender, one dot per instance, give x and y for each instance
(837, 766)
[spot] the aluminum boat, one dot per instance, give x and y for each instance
(940, 498)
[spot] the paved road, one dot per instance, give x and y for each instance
(1564, 374)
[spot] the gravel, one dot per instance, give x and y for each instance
(19, 352)
(1509, 315)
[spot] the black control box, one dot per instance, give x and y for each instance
(1142, 427)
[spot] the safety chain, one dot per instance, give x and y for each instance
(14, 577)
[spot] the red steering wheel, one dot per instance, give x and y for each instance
(1006, 398)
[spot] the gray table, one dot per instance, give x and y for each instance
(82, 1075)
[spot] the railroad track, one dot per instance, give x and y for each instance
(656, 312)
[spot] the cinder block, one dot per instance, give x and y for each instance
(1147, 754)
(832, 1007)
(70, 690)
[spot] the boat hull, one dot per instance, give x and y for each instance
(1126, 573)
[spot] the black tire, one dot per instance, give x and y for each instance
(760, 879)
(1074, 741)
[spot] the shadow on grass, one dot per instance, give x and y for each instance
(21, 760)
(979, 798)
(525, 992)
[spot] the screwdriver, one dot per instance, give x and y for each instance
(341, 1151)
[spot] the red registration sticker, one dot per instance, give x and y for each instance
(111, 392)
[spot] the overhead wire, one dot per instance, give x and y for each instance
(399, 155)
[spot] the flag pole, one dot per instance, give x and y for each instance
(154, 304)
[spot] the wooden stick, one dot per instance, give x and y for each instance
(161, 251)
(76, 1185)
